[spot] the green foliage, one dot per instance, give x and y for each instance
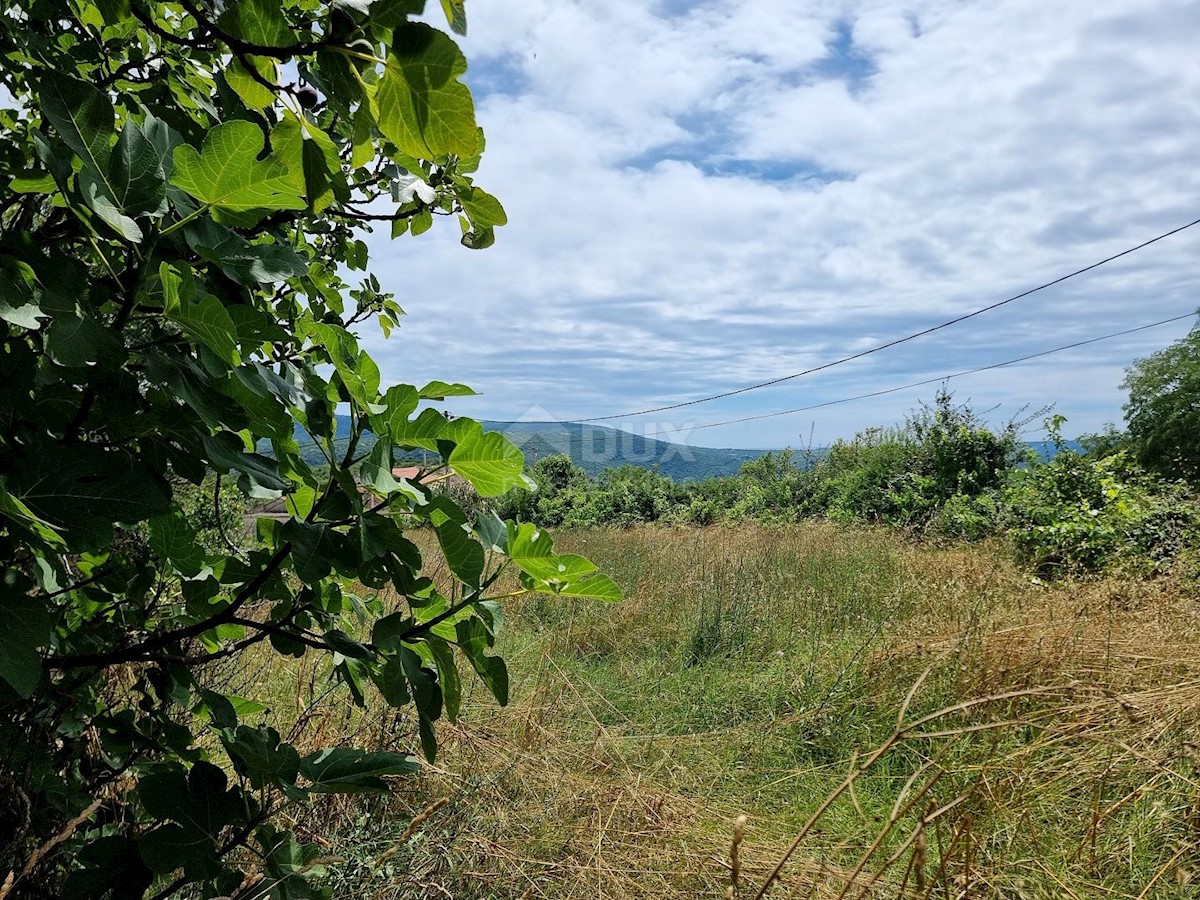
(943, 475)
(625, 496)
(215, 513)
(1081, 515)
(765, 489)
(859, 479)
(622, 496)
(899, 476)
(905, 477)
(711, 501)
(772, 488)
(558, 484)
(178, 234)
(1163, 412)
(959, 456)
(964, 518)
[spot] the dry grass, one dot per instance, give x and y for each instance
(761, 671)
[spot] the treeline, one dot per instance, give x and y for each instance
(942, 475)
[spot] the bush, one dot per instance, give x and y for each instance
(1105, 442)
(560, 484)
(905, 476)
(218, 516)
(626, 496)
(858, 480)
(773, 488)
(957, 454)
(963, 518)
(699, 511)
(1082, 515)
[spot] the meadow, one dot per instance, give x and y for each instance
(893, 719)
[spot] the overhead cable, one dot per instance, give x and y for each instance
(941, 378)
(893, 343)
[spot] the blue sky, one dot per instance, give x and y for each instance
(708, 195)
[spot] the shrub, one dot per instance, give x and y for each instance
(905, 476)
(560, 484)
(1080, 515)
(624, 496)
(1105, 442)
(856, 480)
(964, 518)
(957, 454)
(699, 511)
(770, 488)
(215, 512)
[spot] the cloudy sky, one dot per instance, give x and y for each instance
(707, 195)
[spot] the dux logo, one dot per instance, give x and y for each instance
(539, 433)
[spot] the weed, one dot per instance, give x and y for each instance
(1037, 739)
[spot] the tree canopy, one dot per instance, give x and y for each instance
(1163, 412)
(185, 190)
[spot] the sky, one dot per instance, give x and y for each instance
(703, 196)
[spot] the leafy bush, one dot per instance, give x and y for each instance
(958, 455)
(898, 476)
(943, 475)
(216, 513)
(1079, 515)
(559, 486)
(861, 480)
(963, 518)
(771, 488)
(1105, 442)
(905, 476)
(624, 496)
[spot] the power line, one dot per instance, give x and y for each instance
(893, 343)
(904, 387)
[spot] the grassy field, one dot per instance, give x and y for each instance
(892, 720)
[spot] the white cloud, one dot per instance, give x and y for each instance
(732, 191)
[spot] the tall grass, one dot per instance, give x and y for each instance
(962, 731)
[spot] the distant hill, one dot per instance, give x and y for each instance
(595, 448)
(591, 447)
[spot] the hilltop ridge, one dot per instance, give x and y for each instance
(593, 448)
